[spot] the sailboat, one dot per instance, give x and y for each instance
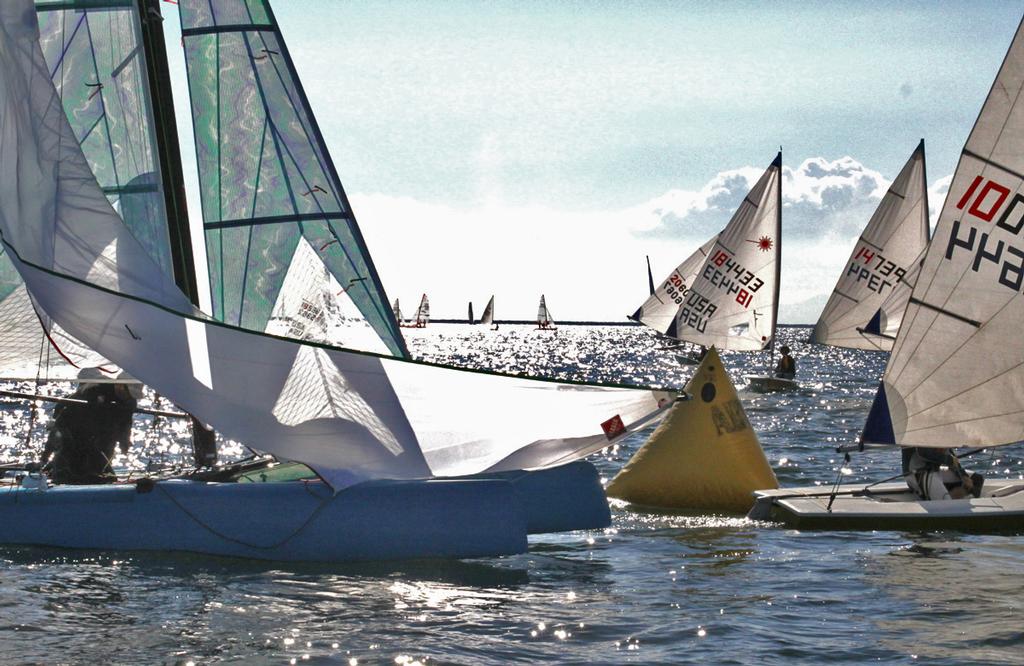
(726, 293)
(867, 304)
(422, 317)
(396, 309)
(954, 375)
(488, 317)
(544, 320)
(382, 456)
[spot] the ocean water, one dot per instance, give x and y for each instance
(652, 588)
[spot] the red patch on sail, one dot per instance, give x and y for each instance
(764, 243)
(613, 427)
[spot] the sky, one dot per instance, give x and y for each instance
(521, 148)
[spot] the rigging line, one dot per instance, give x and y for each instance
(217, 533)
(103, 104)
(67, 44)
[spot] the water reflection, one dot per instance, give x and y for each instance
(958, 595)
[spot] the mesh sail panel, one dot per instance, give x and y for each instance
(266, 177)
(93, 52)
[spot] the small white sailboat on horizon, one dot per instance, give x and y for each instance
(867, 304)
(422, 316)
(955, 376)
(544, 320)
(487, 319)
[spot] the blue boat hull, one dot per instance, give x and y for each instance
(305, 521)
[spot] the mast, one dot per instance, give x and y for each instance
(924, 189)
(169, 154)
(165, 130)
(778, 258)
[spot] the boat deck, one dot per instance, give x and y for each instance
(892, 506)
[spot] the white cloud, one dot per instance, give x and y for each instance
(590, 264)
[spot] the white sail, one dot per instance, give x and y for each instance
(733, 300)
(887, 319)
(857, 314)
(423, 312)
(661, 307)
(349, 415)
(488, 317)
(397, 309)
(544, 319)
(956, 376)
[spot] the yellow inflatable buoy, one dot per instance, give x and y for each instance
(704, 455)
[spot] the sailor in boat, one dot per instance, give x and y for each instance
(786, 368)
(83, 434)
(936, 474)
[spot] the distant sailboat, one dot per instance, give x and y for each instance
(544, 320)
(397, 310)
(488, 317)
(955, 376)
(726, 293)
(422, 317)
(866, 307)
(469, 314)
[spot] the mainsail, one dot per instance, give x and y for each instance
(349, 415)
(397, 310)
(860, 313)
(956, 376)
(488, 317)
(727, 293)
(266, 178)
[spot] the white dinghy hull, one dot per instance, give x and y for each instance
(891, 506)
(769, 384)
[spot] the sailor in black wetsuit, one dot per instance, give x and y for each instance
(786, 369)
(83, 436)
(924, 473)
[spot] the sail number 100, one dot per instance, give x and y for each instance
(1011, 273)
